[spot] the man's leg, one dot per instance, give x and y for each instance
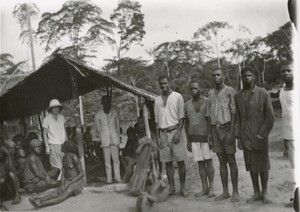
(182, 175)
(116, 162)
(224, 176)
(106, 153)
(203, 176)
(211, 175)
(264, 176)
(15, 186)
(234, 177)
(255, 183)
(170, 175)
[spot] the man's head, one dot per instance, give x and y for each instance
(36, 146)
(11, 146)
(217, 76)
(286, 71)
(69, 147)
(19, 141)
(106, 102)
(248, 76)
(194, 87)
(164, 83)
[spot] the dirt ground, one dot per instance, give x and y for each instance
(280, 190)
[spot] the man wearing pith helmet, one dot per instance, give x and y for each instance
(54, 133)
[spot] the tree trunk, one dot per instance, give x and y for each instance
(217, 47)
(135, 98)
(263, 71)
(31, 42)
(240, 86)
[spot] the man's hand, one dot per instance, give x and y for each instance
(230, 135)
(209, 140)
(189, 146)
(260, 137)
(47, 150)
(176, 137)
(240, 146)
(160, 143)
(61, 189)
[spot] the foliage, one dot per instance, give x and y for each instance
(280, 43)
(210, 33)
(80, 23)
(23, 12)
(129, 22)
(182, 51)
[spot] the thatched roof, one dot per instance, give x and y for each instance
(53, 80)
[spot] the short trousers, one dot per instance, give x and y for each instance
(201, 151)
(172, 151)
(221, 143)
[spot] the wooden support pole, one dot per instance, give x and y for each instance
(81, 111)
(23, 126)
(146, 121)
(148, 134)
(76, 112)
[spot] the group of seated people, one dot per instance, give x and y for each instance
(27, 168)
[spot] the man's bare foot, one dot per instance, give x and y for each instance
(17, 200)
(265, 200)
(184, 193)
(222, 196)
(235, 198)
(255, 197)
(172, 191)
(3, 208)
(211, 192)
(33, 203)
(201, 193)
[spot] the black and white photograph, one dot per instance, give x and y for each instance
(149, 105)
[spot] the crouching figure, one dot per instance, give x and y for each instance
(157, 193)
(72, 181)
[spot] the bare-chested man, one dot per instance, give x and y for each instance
(72, 181)
(8, 177)
(35, 176)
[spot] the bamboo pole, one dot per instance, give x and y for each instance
(76, 112)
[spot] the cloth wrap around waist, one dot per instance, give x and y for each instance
(198, 138)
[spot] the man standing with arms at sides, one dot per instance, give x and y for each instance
(221, 116)
(54, 134)
(169, 117)
(108, 127)
(197, 140)
(286, 98)
(255, 119)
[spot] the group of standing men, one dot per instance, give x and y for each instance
(215, 124)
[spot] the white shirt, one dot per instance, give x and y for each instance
(108, 127)
(286, 100)
(169, 115)
(56, 132)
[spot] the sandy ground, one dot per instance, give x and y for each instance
(280, 190)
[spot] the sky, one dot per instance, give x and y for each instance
(165, 20)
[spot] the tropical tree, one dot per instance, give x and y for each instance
(76, 29)
(129, 22)
(24, 13)
(237, 50)
(8, 67)
(211, 34)
(182, 51)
